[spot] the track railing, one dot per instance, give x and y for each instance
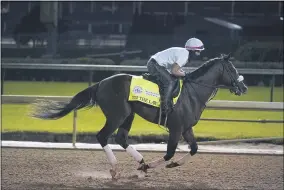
(128, 68)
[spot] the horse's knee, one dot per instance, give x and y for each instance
(170, 152)
(121, 138)
(194, 148)
(102, 139)
(169, 155)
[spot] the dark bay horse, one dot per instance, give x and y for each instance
(111, 94)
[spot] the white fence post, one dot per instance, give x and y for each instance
(74, 134)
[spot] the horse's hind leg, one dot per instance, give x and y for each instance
(122, 137)
(102, 137)
(111, 125)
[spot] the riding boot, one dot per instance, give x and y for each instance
(166, 99)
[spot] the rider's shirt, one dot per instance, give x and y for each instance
(168, 57)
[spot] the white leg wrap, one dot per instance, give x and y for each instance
(134, 153)
(110, 156)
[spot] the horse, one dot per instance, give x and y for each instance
(111, 95)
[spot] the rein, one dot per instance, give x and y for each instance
(218, 86)
(214, 86)
(209, 86)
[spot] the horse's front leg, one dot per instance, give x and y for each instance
(174, 137)
(190, 139)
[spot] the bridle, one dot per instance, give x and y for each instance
(233, 88)
(234, 81)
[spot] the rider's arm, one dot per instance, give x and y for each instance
(181, 58)
(177, 71)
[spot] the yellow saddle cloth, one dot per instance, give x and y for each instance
(147, 92)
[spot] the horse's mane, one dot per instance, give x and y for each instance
(203, 68)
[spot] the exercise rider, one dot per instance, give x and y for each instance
(167, 65)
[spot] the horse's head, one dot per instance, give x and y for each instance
(231, 78)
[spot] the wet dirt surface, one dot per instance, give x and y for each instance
(76, 169)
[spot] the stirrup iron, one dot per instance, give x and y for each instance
(160, 118)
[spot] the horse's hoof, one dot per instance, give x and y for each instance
(143, 167)
(114, 174)
(172, 165)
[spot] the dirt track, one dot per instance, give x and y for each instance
(74, 169)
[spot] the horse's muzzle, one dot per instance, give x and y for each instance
(243, 88)
(239, 88)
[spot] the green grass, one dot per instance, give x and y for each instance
(14, 117)
(43, 88)
(70, 89)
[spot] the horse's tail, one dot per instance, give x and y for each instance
(47, 109)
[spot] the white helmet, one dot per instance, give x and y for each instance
(194, 44)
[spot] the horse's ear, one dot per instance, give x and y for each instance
(227, 57)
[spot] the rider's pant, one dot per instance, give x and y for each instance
(167, 83)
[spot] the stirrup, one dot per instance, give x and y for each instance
(160, 118)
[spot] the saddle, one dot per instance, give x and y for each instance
(153, 79)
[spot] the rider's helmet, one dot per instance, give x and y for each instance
(195, 45)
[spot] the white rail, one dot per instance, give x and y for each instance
(124, 68)
(204, 147)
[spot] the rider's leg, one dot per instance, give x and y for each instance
(168, 83)
(166, 88)
(151, 66)
(166, 99)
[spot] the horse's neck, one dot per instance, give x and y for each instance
(210, 78)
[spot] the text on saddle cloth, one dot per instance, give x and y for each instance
(147, 92)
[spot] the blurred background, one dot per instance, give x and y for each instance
(90, 35)
(128, 33)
